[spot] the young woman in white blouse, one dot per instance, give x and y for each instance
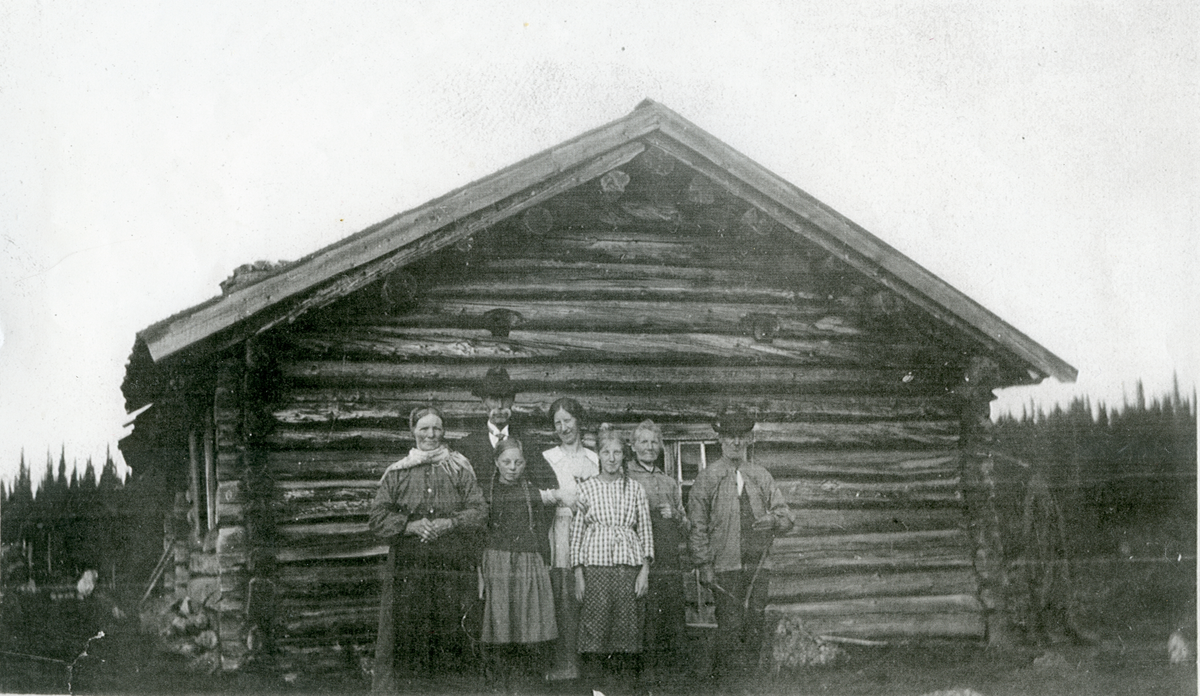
(572, 463)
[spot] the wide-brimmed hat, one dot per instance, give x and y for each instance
(734, 421)
(495, 383)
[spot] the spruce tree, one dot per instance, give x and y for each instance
(108, 475)
(61, 480)
(87, 482)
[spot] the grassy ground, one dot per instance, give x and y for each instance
(1131, 605)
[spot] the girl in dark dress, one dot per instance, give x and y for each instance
(514, 579)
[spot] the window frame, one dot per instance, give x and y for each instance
(674, 457)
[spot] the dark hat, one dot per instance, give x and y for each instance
(734, 421)
(495, 383)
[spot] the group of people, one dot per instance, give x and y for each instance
(577, 556)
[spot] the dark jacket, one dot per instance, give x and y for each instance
(477, 448)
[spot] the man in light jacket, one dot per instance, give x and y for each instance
(736, 509)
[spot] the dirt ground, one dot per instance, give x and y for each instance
(1131, 607)
(1118, 667)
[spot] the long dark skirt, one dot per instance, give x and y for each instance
(427, 590)
(664, 631)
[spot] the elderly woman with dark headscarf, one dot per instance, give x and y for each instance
(431, 510)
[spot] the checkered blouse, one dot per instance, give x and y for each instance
(612, 525)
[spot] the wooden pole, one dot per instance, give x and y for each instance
(210, 474)
(194, 484)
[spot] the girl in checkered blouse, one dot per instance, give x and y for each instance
(612, 544)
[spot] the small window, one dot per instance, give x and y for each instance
(688, 458)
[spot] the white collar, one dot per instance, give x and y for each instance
(496, 433)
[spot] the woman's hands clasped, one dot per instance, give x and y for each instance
(429, 530)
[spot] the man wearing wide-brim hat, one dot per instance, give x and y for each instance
(498, 394)
(736, 509)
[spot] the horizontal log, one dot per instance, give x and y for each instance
(319, 465)
(826, 342)
(327, 541)
(347, 405)
(659, 245)
(882, 435)
(842, 553)
(858, 543)
(352, 504)
(309, 590)
(349, 500)
(493, 273)
(803, 587)
(304, 501)
(942, 604)
(770, 322)
(671, 315)
(300, 501)
(352, 540)
(892, 626)
(883, 388)
(819, 522)
(331, 549)
(852, 494)
(329, 617)
(314, 581)
(832, 563)
(786, 461)
(619, 287)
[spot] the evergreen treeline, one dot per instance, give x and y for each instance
(72, 522)
(1124, 478)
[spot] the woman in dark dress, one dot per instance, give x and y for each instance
(664, 632)
(431, 510)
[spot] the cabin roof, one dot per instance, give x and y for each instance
(288, 292)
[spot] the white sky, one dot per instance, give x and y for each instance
(1042, 158)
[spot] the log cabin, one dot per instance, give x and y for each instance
(644, 268)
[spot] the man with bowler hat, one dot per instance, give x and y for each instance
(498, 394)
(736, 509)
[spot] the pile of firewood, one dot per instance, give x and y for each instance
(792, 646)
(187, 628)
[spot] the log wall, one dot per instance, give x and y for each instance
(639, 317)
